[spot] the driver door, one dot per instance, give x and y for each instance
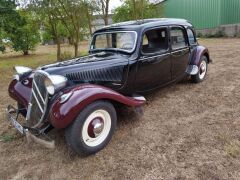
(154, 65)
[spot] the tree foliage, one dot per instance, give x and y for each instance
(18, 27)
(51, 25)
(27, 36)
(10, 19)
(135, 10)
(72, 14)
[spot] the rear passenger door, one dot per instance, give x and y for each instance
(179, 51)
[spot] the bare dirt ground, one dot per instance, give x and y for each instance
(188, 131)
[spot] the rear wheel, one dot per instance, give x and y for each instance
(202, 71)
(92, 129)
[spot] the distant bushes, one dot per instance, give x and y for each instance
(66, 55)
(238, 35)
(218, 34)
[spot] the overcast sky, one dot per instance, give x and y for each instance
(114, 3)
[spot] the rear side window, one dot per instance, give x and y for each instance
(191, 37)
(155, 41)
(178, 38)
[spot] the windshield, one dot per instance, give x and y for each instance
(124, 41)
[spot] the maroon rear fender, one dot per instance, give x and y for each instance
(197, 53)
(63, 114)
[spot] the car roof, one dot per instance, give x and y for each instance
(145, 23)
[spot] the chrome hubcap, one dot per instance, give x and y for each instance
(96, 127)
(202, 69)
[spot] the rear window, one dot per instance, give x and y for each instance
(178, 38)
(191, 37)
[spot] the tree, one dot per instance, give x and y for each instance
(10, 19)
(2, 45)
(52, 25)
(27, 36)
(104, 4)
(72, 14)
(90, 7)
(135, 10)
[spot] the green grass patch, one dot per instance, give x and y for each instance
(42, 56)
(7, 138)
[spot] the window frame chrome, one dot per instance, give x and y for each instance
(114, 49)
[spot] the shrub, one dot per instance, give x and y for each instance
(66, 55)
(199, 35)
(237, 35)
(220, 34)
(2, 48)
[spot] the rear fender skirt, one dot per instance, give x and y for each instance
(195, 58)
(63, 114)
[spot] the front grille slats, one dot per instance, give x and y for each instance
(38, 91)
(38, 101)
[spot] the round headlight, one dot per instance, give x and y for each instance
(49, 86)
(54, 83)
(20, 70)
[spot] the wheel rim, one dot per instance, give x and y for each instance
(96, 128)
(202, 69)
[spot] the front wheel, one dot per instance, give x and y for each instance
(92, 129)
(202, 71)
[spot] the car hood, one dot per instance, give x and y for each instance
(98, 67)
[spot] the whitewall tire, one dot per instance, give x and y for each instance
(92, 129)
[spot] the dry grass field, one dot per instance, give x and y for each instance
(188, 131)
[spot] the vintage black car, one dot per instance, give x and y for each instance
(80, 95)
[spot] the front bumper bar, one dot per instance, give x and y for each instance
(10, 111)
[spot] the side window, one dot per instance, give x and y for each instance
(178, 38)
(103, 41)
(155, 41)
(191, 38)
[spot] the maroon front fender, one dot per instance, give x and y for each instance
(19, 92)
(63, 114)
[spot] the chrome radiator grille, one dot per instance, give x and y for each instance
(38, 102)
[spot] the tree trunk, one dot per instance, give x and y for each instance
(76, 49)
(89, 22)
(106, 19)
(25, 52)
(58, 50)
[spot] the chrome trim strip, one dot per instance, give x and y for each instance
(164, 54)
(37, 101)
(29, 111)
(180, 50)
(155, 56)
(38, 91)
(110, 32)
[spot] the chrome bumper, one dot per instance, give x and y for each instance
(10, 111)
